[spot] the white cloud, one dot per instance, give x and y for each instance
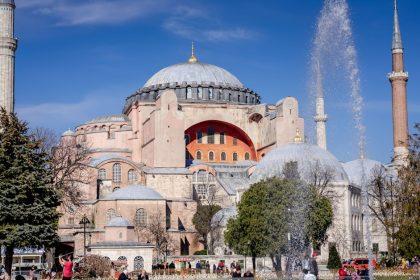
(61, 116)
(77, 12)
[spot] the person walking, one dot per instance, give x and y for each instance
(67, 265)
(307, 275)
(123, 275)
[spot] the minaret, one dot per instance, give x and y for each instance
(320, 117)
(8, 46)
(398, 78)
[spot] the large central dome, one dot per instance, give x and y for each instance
(195, 82)
(194, 72)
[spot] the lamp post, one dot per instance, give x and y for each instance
(84, 221)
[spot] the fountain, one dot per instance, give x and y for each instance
(334, 45)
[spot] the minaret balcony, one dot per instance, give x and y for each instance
(321, 118)
(398, 76)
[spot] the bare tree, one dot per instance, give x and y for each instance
(69, 163)
(320, 178)
(155, 231)
(383, 193)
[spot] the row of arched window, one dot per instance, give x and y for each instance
(211, 137)
(355, 200)
(212, 94)
(116, 174)
(223, 156)
(356, 222)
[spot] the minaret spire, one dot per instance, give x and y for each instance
(193, 58)
(398, 78)
(396, 40)
(320, 117)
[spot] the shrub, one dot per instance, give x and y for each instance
(201, 252)
(334, 260)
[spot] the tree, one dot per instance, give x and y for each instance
(334, 260)
(69, 162)
(28, 200)
(202, 221)
(320, 216)
(93, 266)
(408, 214)
(248, 234)
(157, 234)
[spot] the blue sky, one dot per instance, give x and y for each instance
(78, 59)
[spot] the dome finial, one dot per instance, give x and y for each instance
(192, 59)
(298, 138)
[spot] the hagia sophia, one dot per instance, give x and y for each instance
(193, 133)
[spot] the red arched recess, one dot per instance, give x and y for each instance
(234, 142)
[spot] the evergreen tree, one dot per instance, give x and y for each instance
(202, 221)
(28, 202)
(334, 260)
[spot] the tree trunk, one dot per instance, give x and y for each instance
(8, 260)
(253, 264)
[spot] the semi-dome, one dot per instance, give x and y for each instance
(221, 218)
(194, 73)
(11, 2)
(68, 132)
(308, 158)
(134, 192)
(355, 168)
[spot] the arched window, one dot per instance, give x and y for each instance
(219, 95)
(141, 217)
(246, 156)
(189, 92)
(198, 155)
(101, 174)
(239, 98)
(246, 99)
(210, 135)
(210, 93)
(138, 263)
(202, 191)
(230, 97)
(223, 156)
(235, 156)
(111, 213)
(199, 93)
(187, 139)
(122, 259)
(222, 138)
(116, 173)
(132, 176)
(115, 189)
(234, 141)
(211, 156)
(199, 136)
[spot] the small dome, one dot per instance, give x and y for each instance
(118, 222)
(134, 192)
(354, 170)
(68, 132)
(111, 118)
(308, 157)
(221, 218)
(194, 72)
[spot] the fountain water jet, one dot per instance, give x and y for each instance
(334, 45)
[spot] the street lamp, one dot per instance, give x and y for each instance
(84, 221)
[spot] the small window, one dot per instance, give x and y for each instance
(71, 221)
(235, 157)
(234, 141)
(246, 99)
(247, 156)
(210, 135)
(222, 138)
(199, 137)
(230, 97)
(219, 95)
(223, 156)
(116, 173)
(198, 155)
(199, 93)
(102, 174)
(239, 98)
(211, 156)
(210, 93)
(189, 92)
(132, 176)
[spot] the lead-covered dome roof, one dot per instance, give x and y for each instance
(195, 82)
(134, 192)
(194, 73)
(358, 168)
(309, 158)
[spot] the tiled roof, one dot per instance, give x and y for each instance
(134, 192)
